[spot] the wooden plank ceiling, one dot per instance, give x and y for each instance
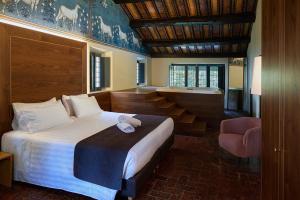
(192, 28)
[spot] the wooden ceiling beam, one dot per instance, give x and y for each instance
(191, 42)
(203, 20)
(201, 55)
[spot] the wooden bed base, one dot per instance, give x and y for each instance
(132, 186)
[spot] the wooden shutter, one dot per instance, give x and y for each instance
(141, 73)
(105, 79)
(221, 77)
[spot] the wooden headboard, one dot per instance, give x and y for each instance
(36, 66)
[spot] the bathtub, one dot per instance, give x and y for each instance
(184, 90)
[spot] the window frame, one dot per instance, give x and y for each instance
(197, 67)
(103, 74)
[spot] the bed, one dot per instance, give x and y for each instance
(58, 66)
(46, 158)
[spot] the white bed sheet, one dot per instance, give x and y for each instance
(46, 158)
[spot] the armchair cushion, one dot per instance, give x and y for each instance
(233, 143)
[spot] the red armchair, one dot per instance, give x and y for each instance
(241, 136)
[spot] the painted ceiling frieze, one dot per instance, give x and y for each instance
(100, 20)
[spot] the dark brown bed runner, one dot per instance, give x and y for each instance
(100, 158)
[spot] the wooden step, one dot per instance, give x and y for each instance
(197, 129)
(150, 95)
(187, 119)
(158, 100)
(177, 112)
(166, 108)
(199, 126)
(167, 105)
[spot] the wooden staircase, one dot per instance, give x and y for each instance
(152, 103)
(185, 123)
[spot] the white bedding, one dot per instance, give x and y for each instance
(46, 158)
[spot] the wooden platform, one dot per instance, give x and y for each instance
(147, 101)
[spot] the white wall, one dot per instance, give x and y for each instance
(160, 69)
(123, 66)
(254, 50)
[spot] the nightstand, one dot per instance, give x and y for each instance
(6, 164)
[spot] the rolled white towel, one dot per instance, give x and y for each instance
(130, 120)
(125, 127)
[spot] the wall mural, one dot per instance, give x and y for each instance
(101, 20)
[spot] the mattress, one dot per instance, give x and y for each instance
(46, 158)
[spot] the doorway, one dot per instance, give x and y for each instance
(236, 84)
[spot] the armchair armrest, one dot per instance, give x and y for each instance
(252, 141)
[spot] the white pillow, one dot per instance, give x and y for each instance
(85, 106)
(19, 107)
(68, 104)
(41, 118)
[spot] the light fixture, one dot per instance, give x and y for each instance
(256, 76)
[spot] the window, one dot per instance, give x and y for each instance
(214, 78)
(178, 76)
(99, 72)
(140, 73)
(191, 76)
(202, 76)
(184, 75)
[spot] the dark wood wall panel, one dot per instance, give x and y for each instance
(271, 115)
(4, 81)
(103, 99)
(46, 69)
(131, 102)
(281, 100)
(36, 66)
(291, 137)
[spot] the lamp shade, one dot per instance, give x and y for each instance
(256, 77)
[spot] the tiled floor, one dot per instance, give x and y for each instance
(195, 168)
